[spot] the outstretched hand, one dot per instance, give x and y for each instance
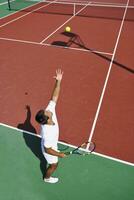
(59, 75)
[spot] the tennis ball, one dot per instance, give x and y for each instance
(67, 29)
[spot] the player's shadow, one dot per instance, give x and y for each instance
(74, 39)
(33, 142)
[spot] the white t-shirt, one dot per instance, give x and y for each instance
(50, 133)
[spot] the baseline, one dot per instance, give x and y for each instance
(70, 145)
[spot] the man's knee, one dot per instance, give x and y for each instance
(54, 166)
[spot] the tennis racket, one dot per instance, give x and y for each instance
(85, 148)
(62, 146)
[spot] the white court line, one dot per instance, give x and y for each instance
(49, 45)
(120, 5)
(80, 49)
(65, 23)
(26, 13)
(94, 4)
(107, 77)
(21, 41)
(110, 6)
(114, 159)
(69, 145)
(6, 2)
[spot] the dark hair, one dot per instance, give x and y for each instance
(41, 118)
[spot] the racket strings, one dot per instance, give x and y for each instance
(91, 146)
(82, 149)
(86, 148)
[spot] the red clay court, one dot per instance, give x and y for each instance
(96, 101)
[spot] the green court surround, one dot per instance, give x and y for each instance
(89, 177)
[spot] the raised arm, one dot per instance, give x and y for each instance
(56, 90)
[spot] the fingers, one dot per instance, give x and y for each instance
(59, 74)
(58, 71)
(62, 155)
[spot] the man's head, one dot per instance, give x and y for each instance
(43, 117)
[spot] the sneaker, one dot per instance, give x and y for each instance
(51, 180)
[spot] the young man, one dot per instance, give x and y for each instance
(50, 131)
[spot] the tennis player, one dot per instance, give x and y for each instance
(50, 131)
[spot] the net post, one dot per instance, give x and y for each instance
(9, 6)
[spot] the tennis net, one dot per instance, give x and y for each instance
(74, 8)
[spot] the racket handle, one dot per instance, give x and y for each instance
(68, 153)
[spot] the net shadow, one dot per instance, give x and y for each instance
(75, 39)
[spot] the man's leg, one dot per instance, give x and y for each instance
(51, 168)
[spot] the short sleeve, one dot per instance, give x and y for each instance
(48, 143)
(51, 106)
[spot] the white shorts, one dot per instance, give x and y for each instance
(50, 159)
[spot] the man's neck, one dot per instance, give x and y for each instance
(50, 122)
